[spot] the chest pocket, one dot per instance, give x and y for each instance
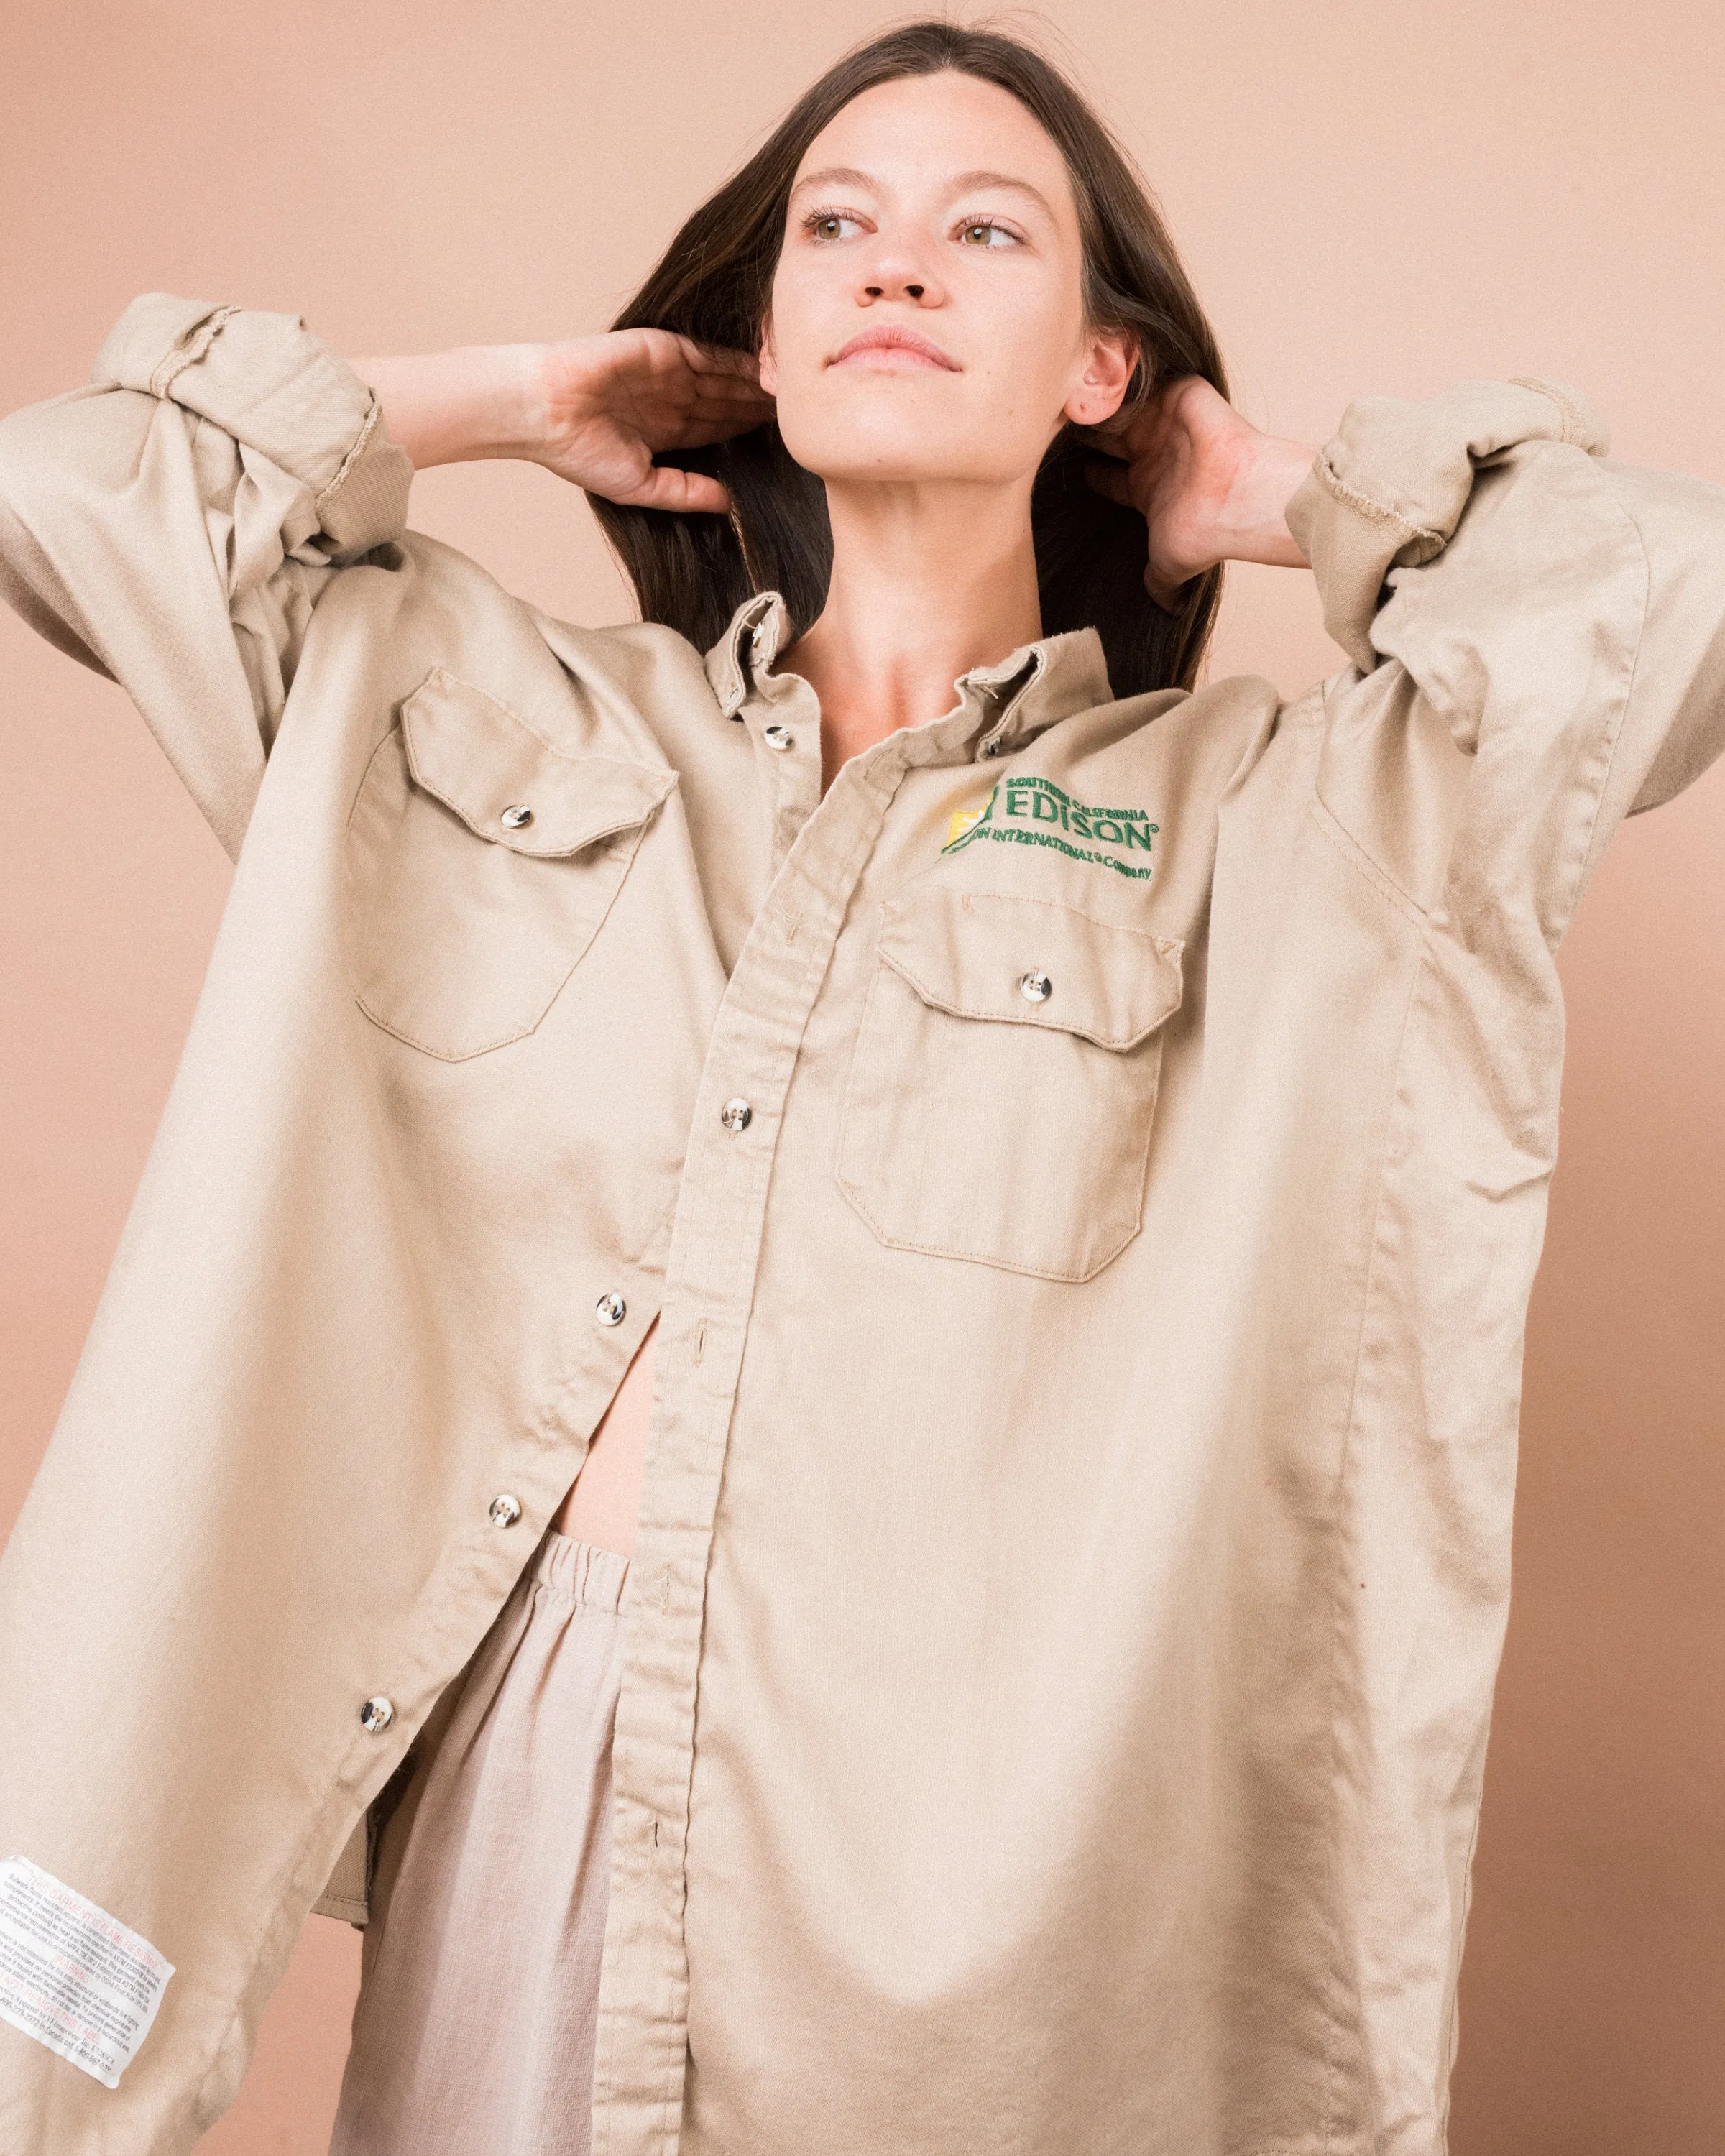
(1004, 1079)
(480, 862)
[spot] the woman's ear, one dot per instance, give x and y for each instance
(1109, 360)
(769, 360)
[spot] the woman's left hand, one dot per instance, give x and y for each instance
(1211, 487)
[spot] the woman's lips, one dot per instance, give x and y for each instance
(894, 350)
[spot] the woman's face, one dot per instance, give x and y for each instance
(927, 316)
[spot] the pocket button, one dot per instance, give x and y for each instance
(1035, 987)
(516, 818)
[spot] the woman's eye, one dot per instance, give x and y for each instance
(982, 233)
(831, 225)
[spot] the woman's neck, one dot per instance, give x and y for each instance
(928, 580)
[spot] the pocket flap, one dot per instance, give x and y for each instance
(1029, 961)
(509, 785)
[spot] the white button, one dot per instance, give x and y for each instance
(736, 1115)
(1035, 987)
(516, 818)
(611, 1309)
(376, 1714)
(777, 738)
(991, 749)
(506, 1509)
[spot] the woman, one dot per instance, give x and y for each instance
(1075, 1158)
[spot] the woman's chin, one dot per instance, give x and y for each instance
(850, 457)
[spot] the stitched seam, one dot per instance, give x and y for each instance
(475, 818)
(981, 1258)
(1473, 1843)
(1582, 868)
(533, 1024)
(834, 897)
(348, 1908)
(362, 442)
(1363, 506)
(1116, 1044)
(634, 834)
(170, 368)
(1576, 429)
(853, 1198)
(1164, 946)
(997, 733)
(441, 677)
(1375, 1262)
(1362, 863)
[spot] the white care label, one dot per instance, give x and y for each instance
(72, 1976)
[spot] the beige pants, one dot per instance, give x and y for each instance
(474, 2033)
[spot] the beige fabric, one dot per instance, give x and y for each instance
(474, 2033)
(1075, 1543)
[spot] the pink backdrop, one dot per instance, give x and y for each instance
(1372, 197)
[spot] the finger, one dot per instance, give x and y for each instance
(681, 400)
(685, 492)
(720, 361)
(726, 388)
(1112, 478)
(750, 406)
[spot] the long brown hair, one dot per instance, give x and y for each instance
(714, 285)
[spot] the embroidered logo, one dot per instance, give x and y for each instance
(1034, 811)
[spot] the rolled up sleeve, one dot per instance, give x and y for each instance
(1506, 592)
(175, 524)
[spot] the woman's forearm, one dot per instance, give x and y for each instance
(445, 407)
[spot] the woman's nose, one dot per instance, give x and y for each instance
(900, 278)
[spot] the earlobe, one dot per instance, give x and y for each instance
(768, 362)
(1092, 406)
(1107, 375)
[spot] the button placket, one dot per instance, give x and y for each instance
(783, 713)
(713, 1263)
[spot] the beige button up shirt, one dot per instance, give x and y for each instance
(1073, 1559)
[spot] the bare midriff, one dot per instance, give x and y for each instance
(604, 1500)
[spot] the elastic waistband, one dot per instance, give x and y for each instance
(593, 1578)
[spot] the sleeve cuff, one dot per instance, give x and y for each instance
(267, 381)
(1389, 488)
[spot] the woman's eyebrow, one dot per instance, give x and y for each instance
(849, 176)
(835, 175)
(964, 182)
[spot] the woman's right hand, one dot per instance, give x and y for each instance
(609, 401)
(594, 409)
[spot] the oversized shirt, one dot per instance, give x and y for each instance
(1088, 1168)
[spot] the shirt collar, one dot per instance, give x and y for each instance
(1000, 706)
